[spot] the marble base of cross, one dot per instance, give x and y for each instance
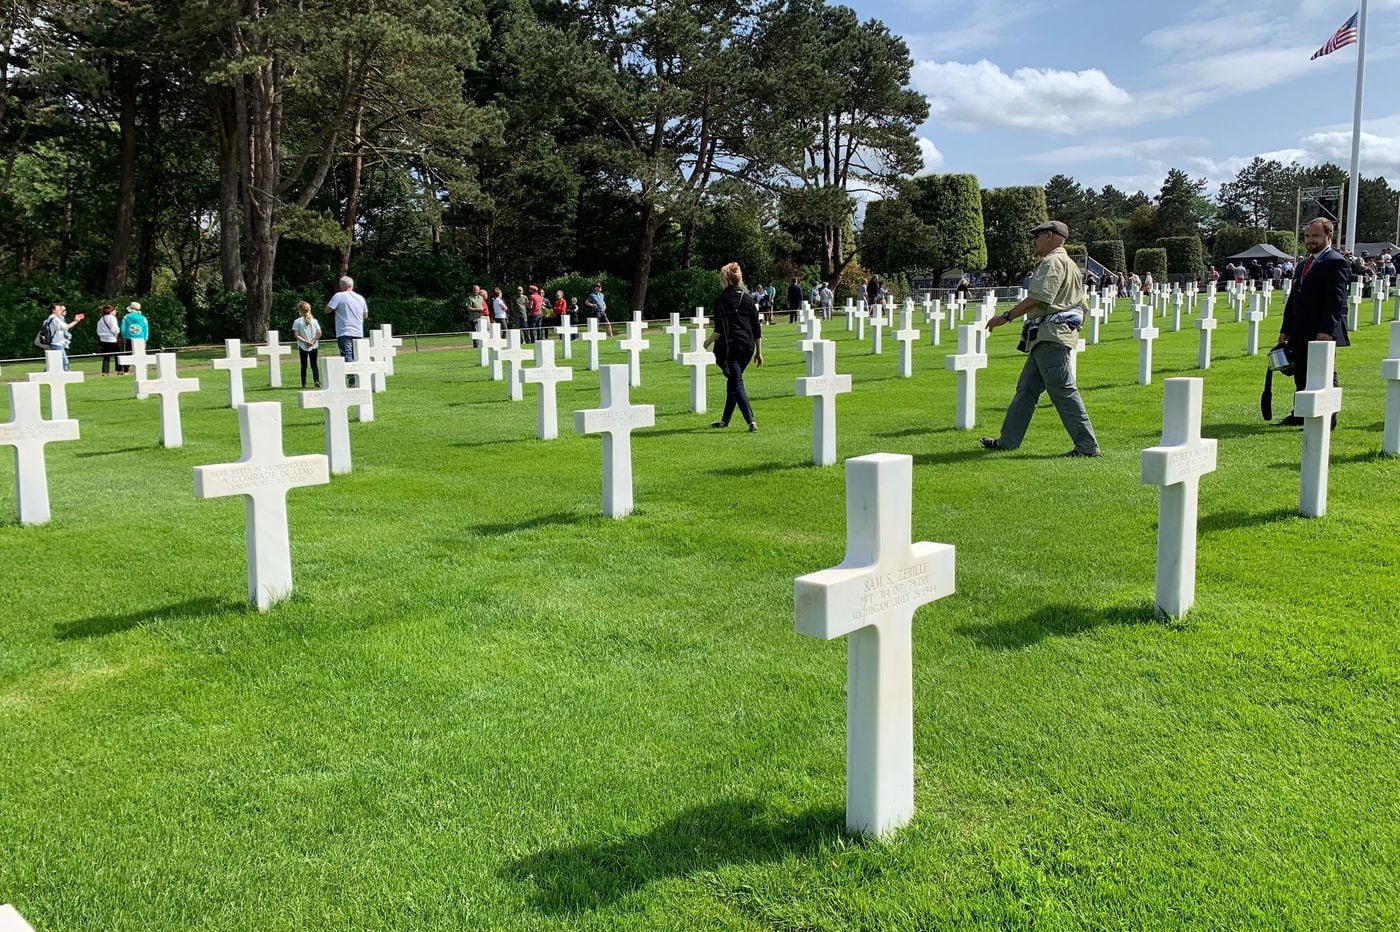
(822, 385)
(1316, 405)
(274, 351)
(1177, 465)
(1390, 372)
(675, 330)
(566, 331)
(698, 359)
(28, 432)
(547, 375)
(337, 398)
(168, 386)
(234, 362)
(513, 356)
(1251, 342)
(633, 346)
(263, 476)
(615, 419)
(871, 599)
(138, 359)
(971, 356)
(58, 381)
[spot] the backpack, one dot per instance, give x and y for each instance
(43, 338)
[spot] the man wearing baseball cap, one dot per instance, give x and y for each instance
(1054, 313)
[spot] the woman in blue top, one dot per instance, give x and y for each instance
(134, 326)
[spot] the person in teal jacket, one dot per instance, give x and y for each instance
(134, 325)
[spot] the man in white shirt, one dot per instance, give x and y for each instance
(350, 312)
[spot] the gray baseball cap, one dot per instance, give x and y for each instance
(1052, 226)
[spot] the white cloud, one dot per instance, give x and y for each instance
(1380, 155)
(1165, 146)
(1043, 99)
(933, 159)
(962, 27)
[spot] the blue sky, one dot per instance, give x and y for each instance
(1118, 91)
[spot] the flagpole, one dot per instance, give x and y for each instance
(1354, 188)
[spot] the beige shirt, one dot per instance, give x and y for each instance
(1059, 286)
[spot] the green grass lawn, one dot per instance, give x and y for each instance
(488, 706)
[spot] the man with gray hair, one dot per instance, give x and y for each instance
(350, 312)
(1054, 313)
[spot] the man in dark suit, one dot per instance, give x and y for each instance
(1316, 307)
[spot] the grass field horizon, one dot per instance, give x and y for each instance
(487, 706)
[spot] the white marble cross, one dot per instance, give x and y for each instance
(1377, 312)
(364, 369)
(698, 359)
(935, 318)
(700, 321)
(637, 319)
(390, 345)
(878, 323)
(168, 386)
(1316, 405)
(12, 921)
(675, 330)
(1177, 466)
(971, 356)
(861, 315)
(138, 358)
(592, 336)
(263, 476)
(27, 432)
(906, 335)
(1145, 333)
(1354, 311)
(871, 599)
(1074, 352)
(234, 362)
(805, 344)
(1176, 310)
(486, 337)
(274, 351)
(615, 419)
(633, 346)
(547, 375)
(1251, 343)
(822, 386)
(58, 381)
(850, 310)
(1206, 324)
(380, 352)
(1390, 372)
(565, 332)
(514, 355)
(337, 398)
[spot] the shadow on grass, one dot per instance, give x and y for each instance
(102, 625)
(1055, 621)
(1233, 520)
(91, 453)
(917, 432)
(491, 443)
(594, 875)
(755, 469)
(1257, 428)
(555, 519)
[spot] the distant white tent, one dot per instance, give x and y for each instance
(1261, 251)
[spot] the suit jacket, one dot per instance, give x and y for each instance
(1318, 302)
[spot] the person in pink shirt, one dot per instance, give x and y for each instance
(535, 326)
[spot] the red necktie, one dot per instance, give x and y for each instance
(1307, 266)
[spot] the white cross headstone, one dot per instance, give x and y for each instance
(1390, 371)
(547, 376)
(487, 338)
(263, 476)
(637, 319)
(1287, 287)
(878, 323)
(27, 432)
(1074, 360)
(822, 386)
(633, 346)
(514, 355)
(861, 316)
(699, 321)
(138, 359)
(812, 337)
(1176, 310)
(168, 385)
(935, 319)
(380, 352)
(871, 599)
(1096, 315)
(1354, 312)
(337, 398)
(850, 310)
(615, 419)
(12, 921)
(675, 330)
(971, 356)
(58, 381)
(234, 362)
(698, 359)
(1377, 311)
(593, 336)
(565, 332)
(390, 344)
(1206, 324)
(1238, 304)
(1145, 333)
(274, 351)
(906, 335)
(1251, 344)
(364, 369)
(1316, 405)
(1177, 466)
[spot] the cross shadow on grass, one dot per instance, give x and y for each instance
(554, 519)
(594, 875)
(1049, 621)
(103, 625)
(755, 469)
(916, 432)
(1232, 520)
(91, 453)
(1257, 428)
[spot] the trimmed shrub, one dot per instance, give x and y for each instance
(1009, 215)
(1111, 255)
(1152, 260)
(682, 291)
(1076, 250)
(1185, 255)
(1284, 241)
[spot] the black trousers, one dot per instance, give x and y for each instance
(1300, 367)
(311, 356)
(110, 352)
(733, 365)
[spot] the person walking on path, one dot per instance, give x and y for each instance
(351, 311)
(1316, 308)
(55, 331)
(307, 330)
(737, 339)
(109, 338)
(1054, 313)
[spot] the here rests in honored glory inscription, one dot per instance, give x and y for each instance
(243, 479)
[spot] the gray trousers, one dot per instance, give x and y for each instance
(1047, 370)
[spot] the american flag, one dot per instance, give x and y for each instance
(1344, 36)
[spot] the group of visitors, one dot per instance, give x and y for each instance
(531, 313)
(56, 332)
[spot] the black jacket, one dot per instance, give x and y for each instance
(794, 297)
(736, 323)
(1318, 301)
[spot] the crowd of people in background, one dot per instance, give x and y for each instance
(56, 333)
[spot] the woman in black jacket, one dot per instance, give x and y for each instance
(736, 340)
